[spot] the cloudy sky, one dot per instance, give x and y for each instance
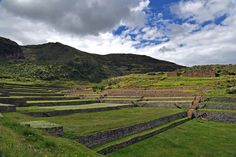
(187, 32)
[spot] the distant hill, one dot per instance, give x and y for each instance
(57, 61)
(10, 49)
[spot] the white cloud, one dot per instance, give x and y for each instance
(79, 17)
(213, 44)
(201, 10)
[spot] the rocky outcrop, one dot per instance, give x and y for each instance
(10, 49)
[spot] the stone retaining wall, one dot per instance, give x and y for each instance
(148, 93)
(19, 102)
(4, 94)
(119, 146)
(63, 103)
(35, 94)
(219, 116)
(106, 136)
(10, 108)
(119, 101)
(186, 105)
(37, 98)
(67, 112)
(222, 99)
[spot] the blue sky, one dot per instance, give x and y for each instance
(159, 10)
(187, 32)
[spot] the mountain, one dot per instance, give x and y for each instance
(52, 61)
(10, 49)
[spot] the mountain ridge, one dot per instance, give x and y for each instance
(58, 61)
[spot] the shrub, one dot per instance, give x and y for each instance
(98, 87)
(231, 90)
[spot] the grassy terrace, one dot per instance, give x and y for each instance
(48, 101)
(195, 138)
(83, 124)
(69, 107)
(127, 138)
(164, 101)
(5, 105)
(159, 81)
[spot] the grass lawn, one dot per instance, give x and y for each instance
(86, 123)
(195, 139)
(69, 107)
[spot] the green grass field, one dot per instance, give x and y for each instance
(195, 138)
(86, 123)
(69, 107)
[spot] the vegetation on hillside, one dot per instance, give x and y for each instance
(55, 61)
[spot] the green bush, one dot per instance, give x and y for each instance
(231, 90)
(98, 87)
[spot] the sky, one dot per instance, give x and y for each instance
(187, 32)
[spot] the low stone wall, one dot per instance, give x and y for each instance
(165, 104)
(119, 146)
(219, 116)
(4, 94)
(50, 128)
(149, 93)
(221, 106)
(35, 94)
(119, 101)
(106, 136)
(56, 131)
(19, 102)
(36, 98)
(67, 112)
(10, 108)
(222, 99)
(200, 73)
(63, 103)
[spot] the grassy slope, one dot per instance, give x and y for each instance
(19, 141)
(55, 61)
(198, 139)
(212, 86)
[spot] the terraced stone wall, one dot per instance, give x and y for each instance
(103, 137)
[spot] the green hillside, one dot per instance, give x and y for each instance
(55, 61)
